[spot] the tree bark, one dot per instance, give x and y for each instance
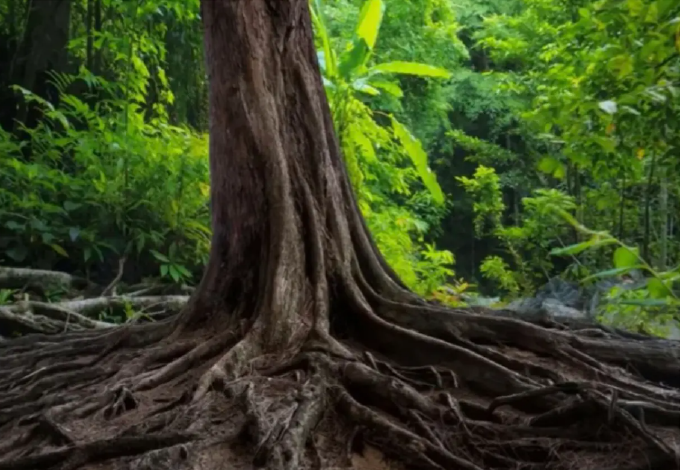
(300, 346)
(44, 48)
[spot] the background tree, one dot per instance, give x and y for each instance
(299, 330)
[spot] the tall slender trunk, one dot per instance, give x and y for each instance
(622, 204)
(663, 222)
(12, 19)
(647, 214)
(579, 199)
(44, 47)
(89, 16)
(97, 59)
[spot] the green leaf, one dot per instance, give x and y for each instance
(548, 164)
(71, 206)
(164, 270)
(625, 257)
(635, 7)
(17, 253)
(645, 302)
(184, 271)
(611, 273)
(594, 242)
(552, 166)
(415, 151)
(560, 172)
(658, 289)
(363, 87)
(59, 250)
(391, 88)
(14, 226)
(410, 68)
(370, 19)
(159, 256)
(352, 60)
(319, 21)
(607, 144)
(652, 13)
(174, 273)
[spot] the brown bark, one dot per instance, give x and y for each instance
(43, 49)
(301, 346)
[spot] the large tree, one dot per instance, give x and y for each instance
(300, 344)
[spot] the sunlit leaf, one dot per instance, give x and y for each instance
(389, 87)
(658, 289)
(410, 68)
(625, 257)
(415, 151)
(611, 273)
(319, 22)
(59, 250)
(351, 60)
(363, 87)
(369, 21)
(594, 242)
(159, 256)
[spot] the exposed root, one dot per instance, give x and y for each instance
(28, 317)
(183, 363)
(230, 366)
(389, 437)
(431, 401)
(95, 451)
(279, 438)
(123, 401)
(39, 279)
(422, 415)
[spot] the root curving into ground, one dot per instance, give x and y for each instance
(483, 393)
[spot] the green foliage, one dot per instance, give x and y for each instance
(102, 181)
(496, 269)
(527, 242)
(6, 296)
(388, 166)
(650, 306)
(488, 205)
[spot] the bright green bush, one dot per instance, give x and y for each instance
(102, 181)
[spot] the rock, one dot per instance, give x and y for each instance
(478, 301)
(554, 308)
(563, 301)
(567, 293)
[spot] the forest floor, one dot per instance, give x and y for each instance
(583, 409)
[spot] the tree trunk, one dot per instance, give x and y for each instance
(97, 59)
(647, 222)
(43, 49)
(663, 223)
(89, 17)
(301, 348)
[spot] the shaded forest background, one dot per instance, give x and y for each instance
(533, 139)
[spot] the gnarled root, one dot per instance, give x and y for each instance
(430, 402)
